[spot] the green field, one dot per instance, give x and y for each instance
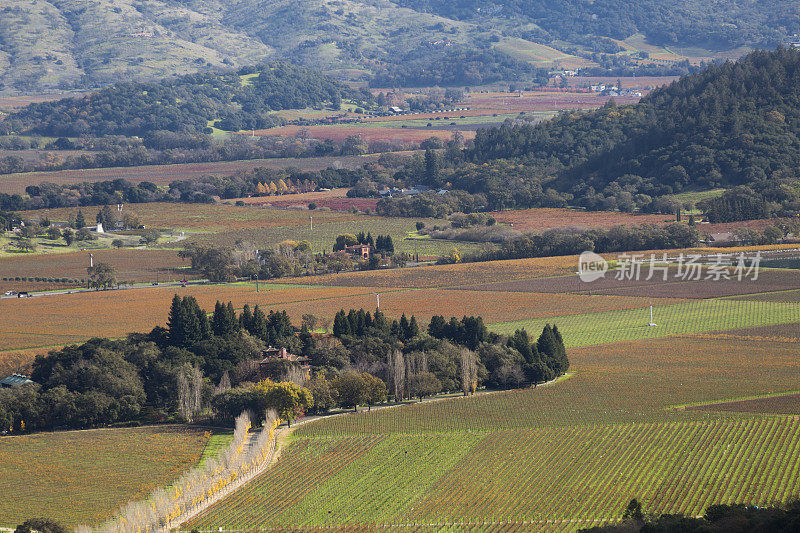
(692, 317)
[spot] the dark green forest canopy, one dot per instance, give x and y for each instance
(185, 104)
(717, 25)
(728, 125)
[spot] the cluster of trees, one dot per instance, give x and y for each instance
(184, 104)
(738, 518)
(437, 65)
(765, 199)
(616, 239)
(198, 365)
(381, 243)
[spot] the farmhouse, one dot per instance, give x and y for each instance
(362, 250)
(277, 361)
(14, 380)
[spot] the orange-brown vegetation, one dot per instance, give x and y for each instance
(457, 275)
(130, 265)
(81, 477)
(541, 219)
(366, 132)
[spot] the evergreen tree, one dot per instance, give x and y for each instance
(431, 168)
(405, 327)
(413, 327)
(259, 324)
(388, 244)
(246, 319)
(223, 321)
(341, 325)
(80, 221)
(369, 240)
(176, 322)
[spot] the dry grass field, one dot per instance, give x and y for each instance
(82, 476)
(368, 132)
(537, 220)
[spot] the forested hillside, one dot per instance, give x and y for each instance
(721, 24)
(234, 100)
(729, 125)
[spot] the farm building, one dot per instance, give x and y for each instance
(14, 380)
(362, 250)
(277, 362)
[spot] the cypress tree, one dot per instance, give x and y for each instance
(413, 327)
(404, 327)
(341, 325)
(246, 319)
(176, 322)
(259, 324)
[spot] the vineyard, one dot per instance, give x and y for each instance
(81, 476)
(584, 474)
(692, 317)
(559, 456)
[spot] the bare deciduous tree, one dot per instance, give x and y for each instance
(397, 374)
(469, 372)
(190, 391)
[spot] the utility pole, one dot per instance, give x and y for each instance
(311, 222)
(378, 297)
(91, 260)
(256, 282)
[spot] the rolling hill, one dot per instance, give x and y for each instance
(734, 124)
(69, 44)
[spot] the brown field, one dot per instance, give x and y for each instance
(540, 101)
(164, 174)
(463, 275)
(71, 318)
(335, 200)
(778, 333)
(131, 265)
(33, 286)
(768, 280)
(81, 477)
(780, 296)
(16, 102)
(62, 319)
(368, 133)
(298, 198)
(19, 360)
(542, 219)
(493, 307)
(785, 404)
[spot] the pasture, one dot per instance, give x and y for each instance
(82, 476)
